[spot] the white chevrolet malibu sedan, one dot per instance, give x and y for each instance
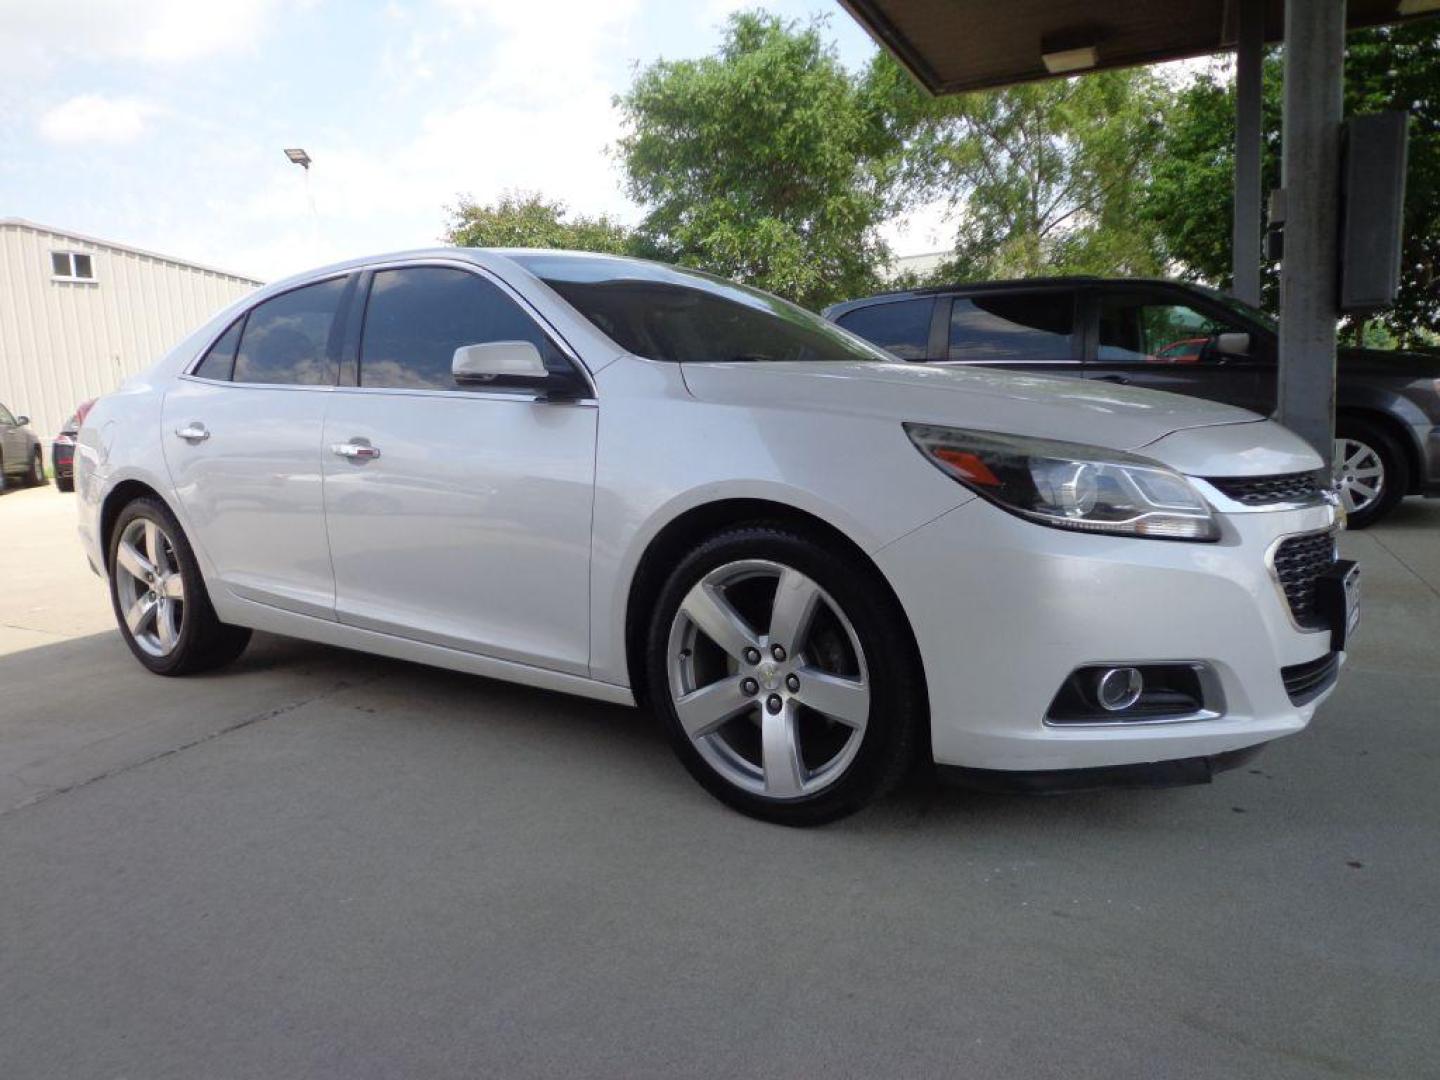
(638, 483)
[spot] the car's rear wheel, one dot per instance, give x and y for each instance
(1371, 472)
(159, 596)
(784, 671)
(36, 475)
(64, 483)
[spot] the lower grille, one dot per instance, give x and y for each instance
(1301, 487)
(1305, 682)
(1298, 563)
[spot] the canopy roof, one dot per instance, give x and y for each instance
(952, 46)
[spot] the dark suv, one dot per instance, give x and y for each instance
(1167, 335)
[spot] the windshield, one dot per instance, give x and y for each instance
(1240, 307)
(665, 313)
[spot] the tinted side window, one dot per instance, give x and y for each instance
(902, 327)
(219, 362)
(1134, 331)
(287, 339)
(6, 420)
(418, 316)
(1009, 328)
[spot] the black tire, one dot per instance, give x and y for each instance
(1396, 481)
(888, 743)
(4, 480)
(64, 483)
(36, 476)
(204, 642)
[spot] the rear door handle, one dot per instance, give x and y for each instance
(1121, 379)
(193, 432)
(356, 450)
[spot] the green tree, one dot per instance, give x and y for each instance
(1042, 177)
(1190, 198)
(528, 219)
(767, 162)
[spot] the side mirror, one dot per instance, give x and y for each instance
(485, 363)
(1232, 344)
(21, 421)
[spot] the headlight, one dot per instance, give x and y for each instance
(1070, 485)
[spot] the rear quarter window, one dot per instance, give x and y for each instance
(287, 338)
(901, 327)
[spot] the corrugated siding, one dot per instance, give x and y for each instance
(62, 342)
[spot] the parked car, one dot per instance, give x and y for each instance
(1169, 335)
(21, 460)
(635, 482)
(62, 450)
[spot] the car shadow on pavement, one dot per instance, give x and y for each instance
(83, 709)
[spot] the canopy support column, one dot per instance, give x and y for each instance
(1245, 235)
(1314, 93)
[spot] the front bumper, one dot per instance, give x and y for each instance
(1003, 610)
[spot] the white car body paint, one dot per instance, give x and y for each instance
(500, 535)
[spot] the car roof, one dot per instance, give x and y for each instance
(1000, 285)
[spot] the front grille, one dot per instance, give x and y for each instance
(1299, 562)
(1300, 487)
(1305, 682)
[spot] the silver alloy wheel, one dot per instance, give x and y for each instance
(1359, 474)
(150, 586)
(780, 713)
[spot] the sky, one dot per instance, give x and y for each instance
(161, 123)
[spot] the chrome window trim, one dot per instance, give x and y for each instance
(1334, 533)
(528, 308)
(324, 388)
(520, 394)
(1212, 694)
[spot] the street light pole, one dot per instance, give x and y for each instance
(297, 156)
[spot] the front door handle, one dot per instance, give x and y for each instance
(193, 432)
(1121, 379)
(356, 450)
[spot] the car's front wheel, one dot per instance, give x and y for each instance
(786, 675)
(1371, 472)
(159, 596)
(36, 476)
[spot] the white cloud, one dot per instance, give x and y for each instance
(447, 98)
(90, 118)
(38, 32)
(530, 111)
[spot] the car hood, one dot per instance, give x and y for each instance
(1073, 410)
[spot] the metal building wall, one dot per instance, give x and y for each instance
(62, 341)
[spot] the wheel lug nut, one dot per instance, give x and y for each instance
(773, 703)
(777, 651)
(749, 686)
(752, 656)
(792, 682)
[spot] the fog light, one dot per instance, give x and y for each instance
(1116, 689)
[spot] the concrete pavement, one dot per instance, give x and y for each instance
(321, 864)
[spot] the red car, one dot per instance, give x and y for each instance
(62, 450)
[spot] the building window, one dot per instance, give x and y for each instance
(72, 266)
